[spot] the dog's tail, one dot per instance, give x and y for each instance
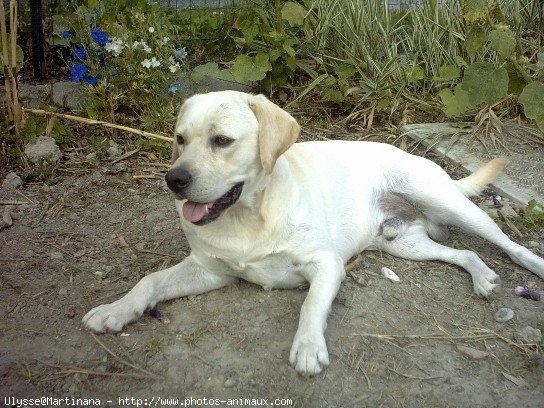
(477, 181)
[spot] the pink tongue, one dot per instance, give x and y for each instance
(194, 212)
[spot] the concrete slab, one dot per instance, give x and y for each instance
(523, 178)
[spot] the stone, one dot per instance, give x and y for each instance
(231, 382)
(472, 353)
(12, 181)
(100, 274)
(45, 149)
(503, 315)
(529, 335)
(91, 156)
(56, 255)
(113, 150)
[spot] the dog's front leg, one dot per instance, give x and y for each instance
(186, 278)
(309, 352)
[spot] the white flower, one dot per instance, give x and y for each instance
(155, 62)
(146, 63)
(174, 67)
(115, 46)
(151, 29)
(146, 47)
(165, 40)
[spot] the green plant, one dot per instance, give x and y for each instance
(194, 337)
(154, 345)
(532, 218)
(268, 34)
(502, 69)
(130, 54)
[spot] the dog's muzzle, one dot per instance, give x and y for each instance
(178, 179)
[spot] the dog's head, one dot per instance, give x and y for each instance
(223, 142)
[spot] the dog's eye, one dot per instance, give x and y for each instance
(222, 141)
(180, 139)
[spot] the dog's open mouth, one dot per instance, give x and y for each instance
(203, 213)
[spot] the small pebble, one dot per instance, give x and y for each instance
(56, 255)
(100, 274)
(389, 274)
(231, 382)
(529, 335)
(503, 315)
(472, 353)
(91, 156)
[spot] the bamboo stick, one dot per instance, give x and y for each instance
(100, 123)
(16, 106)
(5, 59)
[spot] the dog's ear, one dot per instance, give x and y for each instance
(278, 130)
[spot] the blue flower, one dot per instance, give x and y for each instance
(174, 88)
(92, 80)
(99, 36)
(67, 35)
(78, 72)
(182, 53)
(80, 53)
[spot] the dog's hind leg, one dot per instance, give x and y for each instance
(455, 209)
(415, 244)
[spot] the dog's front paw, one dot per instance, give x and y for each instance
(309, 353)
(110, 317)
(485, 283)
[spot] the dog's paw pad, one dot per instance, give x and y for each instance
(309, 354)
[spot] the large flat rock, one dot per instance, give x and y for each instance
(523, 178)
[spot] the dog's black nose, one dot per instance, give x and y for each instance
(177, 179)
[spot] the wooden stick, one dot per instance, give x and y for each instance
(99, 122)
(16, 106)
(5, 60)
(111, 353)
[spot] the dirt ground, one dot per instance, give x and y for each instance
(90, 237)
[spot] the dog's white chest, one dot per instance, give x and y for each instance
(274, 271)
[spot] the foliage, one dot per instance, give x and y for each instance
(131, 55)
(533, 217)
(268, 33)
(505, 69)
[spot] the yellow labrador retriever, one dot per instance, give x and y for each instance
(256, 206)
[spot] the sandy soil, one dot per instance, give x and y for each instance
(90, 237)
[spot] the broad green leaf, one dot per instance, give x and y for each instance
(293, 13)
(532, 99)
(516, 80)
(334, 95)
(211, 69)
(247, 68)
(476, 10)
(503, 41)
(345, 70)
(460, 61)
(202, 71)
(456, 102)
(447, 73)
(475, 40)
(19, 55)
(416, 74)
(485, 83)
